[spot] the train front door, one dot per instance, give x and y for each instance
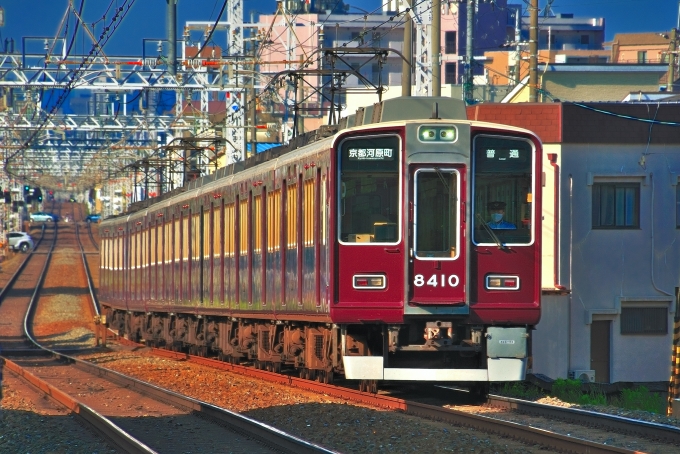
(436, 246)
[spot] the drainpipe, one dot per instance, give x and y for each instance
(552, 157)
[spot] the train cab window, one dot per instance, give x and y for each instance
(503, 190)
(368, 192)
(436, 213)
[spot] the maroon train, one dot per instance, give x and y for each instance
(370, 252)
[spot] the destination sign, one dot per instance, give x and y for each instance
(370, 154)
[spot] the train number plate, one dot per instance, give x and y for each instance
(436, 280)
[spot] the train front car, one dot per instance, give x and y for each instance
(437, 251)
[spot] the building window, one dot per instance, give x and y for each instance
(585, 39)
(450, 73)
(450, 43)
(642, 56)
(616, 205)
(644, 320)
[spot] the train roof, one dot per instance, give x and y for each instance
(396, 111)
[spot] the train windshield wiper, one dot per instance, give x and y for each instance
(491, 233)
(441, 177)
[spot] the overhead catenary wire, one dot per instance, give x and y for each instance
(121, 13)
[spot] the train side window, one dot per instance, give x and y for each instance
(436, 213)
(292, 216)
(369, 190)
(257, 224)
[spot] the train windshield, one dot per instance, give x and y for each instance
(368, 203)
(436, 213)
(503, 190)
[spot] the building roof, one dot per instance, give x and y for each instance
(609, 67)
(641, 39)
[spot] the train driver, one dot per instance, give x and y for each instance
(497, 210)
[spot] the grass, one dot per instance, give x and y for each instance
(641, 398)
(638, 398)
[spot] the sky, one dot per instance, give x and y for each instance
(34, 20)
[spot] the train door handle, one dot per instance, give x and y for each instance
(393, 251)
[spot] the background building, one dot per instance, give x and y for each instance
(611, 233)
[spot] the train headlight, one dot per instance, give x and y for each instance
(496, 282)
(447, 135)
(369, 281)
(428, 135)
(437, 134)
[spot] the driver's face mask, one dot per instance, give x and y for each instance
(497, 217)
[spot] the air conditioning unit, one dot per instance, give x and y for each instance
(586, 376)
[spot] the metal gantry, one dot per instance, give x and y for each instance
(38, 137)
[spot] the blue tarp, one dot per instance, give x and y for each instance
(260, 147)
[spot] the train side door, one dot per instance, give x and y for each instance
(437, 236)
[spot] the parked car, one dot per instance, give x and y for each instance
(20, 241)
(41, 216)
(72, 199)
(94, 217)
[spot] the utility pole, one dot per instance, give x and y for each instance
(518, 48)
(671, 59)
(408, 54)
(469, 33)
(253, 101)
(533, 51)
(436, 47)
(171, 27)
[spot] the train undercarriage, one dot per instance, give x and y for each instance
(417, 351)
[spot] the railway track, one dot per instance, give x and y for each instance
(81, 379)
(131, 415)
(558, 428)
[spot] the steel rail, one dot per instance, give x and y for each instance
(584, 417)
(120, 438)
(531, 435)
(253, 428)
(101, 424)
(88, 275)
(21, 267)
(95, 420)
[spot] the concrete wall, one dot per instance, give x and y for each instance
(611, 268)
(597, 86)
(550, 339)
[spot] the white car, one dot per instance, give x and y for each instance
(20, 241)
(41, 216)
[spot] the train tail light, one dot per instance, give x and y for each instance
(369, 281)
(502, 282)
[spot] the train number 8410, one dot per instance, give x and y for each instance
(441, 280)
